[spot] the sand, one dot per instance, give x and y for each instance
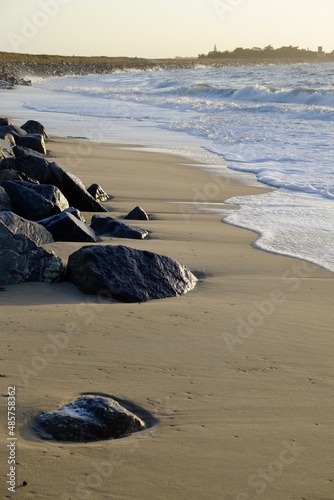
(238, 373)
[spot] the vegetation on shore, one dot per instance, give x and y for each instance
(14, 67)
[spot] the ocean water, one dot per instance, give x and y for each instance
(269, 124)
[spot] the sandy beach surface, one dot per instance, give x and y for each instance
(238, 373)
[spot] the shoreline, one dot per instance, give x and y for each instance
(238, 373)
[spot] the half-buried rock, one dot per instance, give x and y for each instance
(127, 274)
(88, 418)
(67, 227)
(107, 226)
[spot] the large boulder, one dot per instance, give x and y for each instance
(108, 226)
(32, 141)
(4, 122)
(21, 235)
(34, 127)
(137, 213)
(50, 173)
(67, 227)
(35, 201)
(21, 259)
(88, 418)
(127, 274)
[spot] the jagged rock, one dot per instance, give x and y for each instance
(37, 265)
(76, 213)
(127, 274)
(5, 203)
(50, 173)
(15, 131)
(66, 227)
(10, 140)
(21, 235)
(108, 226)
(137, 214)
(88, 418)
(20, 257)
(33, 141)
(35, 201)
(5, 148)
(98, 193)
(23, 151)
(34, 127)
(8, 164)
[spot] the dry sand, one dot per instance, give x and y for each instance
(238, 373)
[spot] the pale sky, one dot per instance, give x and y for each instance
(162, 28)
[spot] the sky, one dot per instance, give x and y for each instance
(162, 28)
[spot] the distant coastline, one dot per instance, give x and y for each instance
(15, 69)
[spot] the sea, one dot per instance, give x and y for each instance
(264, 125)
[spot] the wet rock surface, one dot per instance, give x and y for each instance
(127, 274)
(88, 418)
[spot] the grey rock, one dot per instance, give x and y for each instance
(35, 201)
(15, 131)
(34, 127)
(98, 192)
(76, 213)
(108, 226)
(137, 214)
(5, 203)
(50, 173)
(66, 227)
(88, 418)
(20, 257)
(21, 235)
(127, 274)
(32, 141)
(23, 151)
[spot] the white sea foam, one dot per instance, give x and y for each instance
(272, 121)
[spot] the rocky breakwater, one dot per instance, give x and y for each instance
(40, 203)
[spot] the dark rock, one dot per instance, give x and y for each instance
(15, 131)
(127, 274)
(20, 257)
(32, 141)
(88, 418)
(21, 235)
(108, 226)
(98, 193)
(66, 227)
(8, 164)
(50, 173)
(37, 265)
(76, 213)
(9, 175)
(34, 127)
(4, 122)
(23, 151)
(137, 214)
(35, 201)
(5, 203)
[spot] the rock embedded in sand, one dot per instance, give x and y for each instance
(127, 274)
(88, 418)
(137, 213)
(98, 193)
(107, 226)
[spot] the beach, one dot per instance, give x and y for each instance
(237, 374)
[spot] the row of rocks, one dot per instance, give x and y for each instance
(41, 203)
